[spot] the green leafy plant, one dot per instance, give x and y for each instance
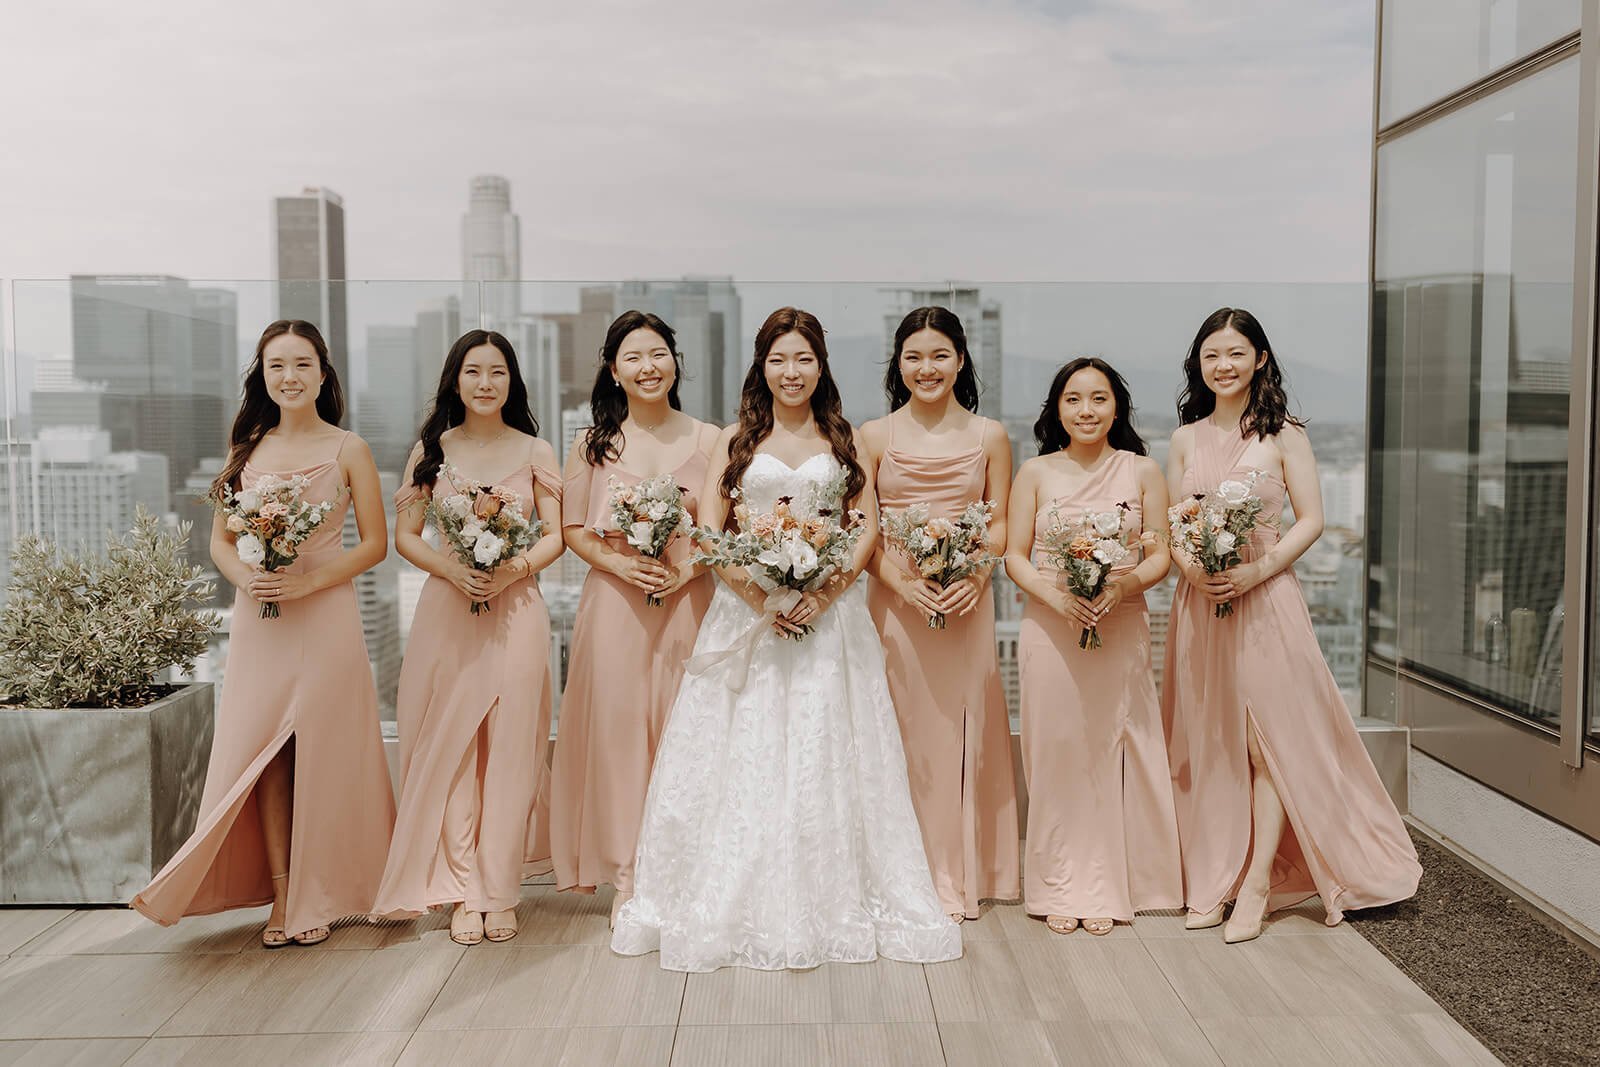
(89, 631)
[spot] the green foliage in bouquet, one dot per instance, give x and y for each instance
(86, 631)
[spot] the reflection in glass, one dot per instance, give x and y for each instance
(1471, 357)
(1431, 48)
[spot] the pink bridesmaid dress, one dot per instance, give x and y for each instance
(474, 716)
(301, 678)
(1344, 840)
(622, 675)
(950, 704)
(1102, 832)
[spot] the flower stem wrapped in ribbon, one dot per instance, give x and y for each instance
(483, 525)
(1213, 528)
(944, 551)
(270, 520)
(787, 551)
(648, 516)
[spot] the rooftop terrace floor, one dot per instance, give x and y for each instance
(105, 986)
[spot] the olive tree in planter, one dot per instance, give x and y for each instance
(101, 767)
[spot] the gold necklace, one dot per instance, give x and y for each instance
(484, 444)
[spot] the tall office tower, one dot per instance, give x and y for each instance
(981, 320)
(437, 328)
(537, 339)
(214, 338)
(191, 504)
(308, 256)
(704, 313)
(581, 334)
(134, 341)
(388, 417)
(491, 249)
(376, 596)
(68, 486)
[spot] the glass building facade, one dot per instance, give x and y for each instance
(1480, 529)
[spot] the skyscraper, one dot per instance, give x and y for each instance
(491, 249)
(981, 320)
(160, 357)
(387, 416)
(437, 328)
(308, 257)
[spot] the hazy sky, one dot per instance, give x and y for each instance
(1218, 140)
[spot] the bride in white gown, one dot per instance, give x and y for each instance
(778, 829)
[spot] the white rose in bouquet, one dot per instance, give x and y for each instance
(1107, 523)
(639, 534)
(1233, 493)
(248, 500)
(487, 549)
(657, 510)
(1225, 542)
(252, 553)
(458, 504)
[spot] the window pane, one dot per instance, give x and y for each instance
(1471, 352)
(1434, 47)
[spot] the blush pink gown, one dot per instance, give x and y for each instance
(1102, 832)
(302, 678)
(950, 704)
(474, 716)
(1344, 840)
(622, 675)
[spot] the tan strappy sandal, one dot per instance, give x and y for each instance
(1061, 924)
(500, 925)
(273, 936)
(1099, 927)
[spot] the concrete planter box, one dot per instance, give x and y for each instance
(94, 801)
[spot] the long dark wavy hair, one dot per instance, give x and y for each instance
(1052, 435)
(755, 405)
(257, 411)
(939, 320)
(608, 403)
(1268, 409)
(449, 410)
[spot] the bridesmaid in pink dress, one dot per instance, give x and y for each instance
(627, 656)
(297, 807)
(933, 449)
(474, 703)
(1102, 832)
(1277, 798)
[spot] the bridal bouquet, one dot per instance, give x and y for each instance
(270, 521)
(941, 550)
(1215, 527)
(788, 550)
(649, 515)
(1085, 549)
(483, 525)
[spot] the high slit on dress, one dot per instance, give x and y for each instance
(302, 676)
(1343, 839)
(1102, 832)
(474, 716)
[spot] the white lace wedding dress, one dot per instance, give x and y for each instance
(778, 830)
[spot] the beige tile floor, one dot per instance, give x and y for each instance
(107, 987)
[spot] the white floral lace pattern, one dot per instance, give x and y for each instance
(778, 829)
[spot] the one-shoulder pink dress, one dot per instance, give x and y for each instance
(950, 704)
(623, 672)
(302, 677)
(1102, 832)
(1344, 840)
(474, 715)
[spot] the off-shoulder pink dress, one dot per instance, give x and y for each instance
(1344, 840)
(622, 675)
(301, 678)
(1102, 832)
(949, 702)
(474, 716)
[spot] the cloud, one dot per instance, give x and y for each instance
(906, 140)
